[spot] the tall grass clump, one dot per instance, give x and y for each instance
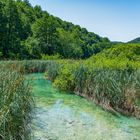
(15, 104)
(115, 88)
(52, 70)
(30, 66)
(34, 66)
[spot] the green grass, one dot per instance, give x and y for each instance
(114, 87)
(113, 84)
(15, 103)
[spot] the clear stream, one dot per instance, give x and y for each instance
(63, 116)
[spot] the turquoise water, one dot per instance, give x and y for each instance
(63, 116)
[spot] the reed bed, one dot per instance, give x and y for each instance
(113, 85)
(15, 103)
(115, 89)
(29, 66)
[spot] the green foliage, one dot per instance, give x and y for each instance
(65, 78)
(12, 32)
(130, 52)
(28, 32)
(114, 84)
(81, 75)
(52, 70)
(136, 41)
(50, 57)
(44, 31)
(2, 29)
(70, 44)
(15, 104)
(33, 66)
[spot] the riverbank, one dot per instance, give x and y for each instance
(68, 75)
(15, 104)
(115, 88)
(63, 116)
(112, 84)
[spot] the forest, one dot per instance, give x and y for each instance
(72, 59)
(30, 33)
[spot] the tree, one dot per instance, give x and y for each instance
(27, 2)
(38, 12)
(27, 18)
(14, 26)
(2, 30)
(32, 49)
(30, 32)
(44, 30)
(69, 45)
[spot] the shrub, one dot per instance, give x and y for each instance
(112, 84)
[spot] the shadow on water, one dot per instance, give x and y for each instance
(63, 116)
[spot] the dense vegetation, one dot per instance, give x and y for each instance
(120, 54)
(111, 78)
(112, 82)
(137, 40)
(28, 32)
(15, 104)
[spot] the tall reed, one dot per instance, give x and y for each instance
(115, 89)
(15, 104)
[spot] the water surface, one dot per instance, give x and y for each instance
(63, 116)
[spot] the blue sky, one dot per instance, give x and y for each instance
(119, 20)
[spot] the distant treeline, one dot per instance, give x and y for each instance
(136, 41)
(28, 32)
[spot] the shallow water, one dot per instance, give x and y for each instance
(63, 116)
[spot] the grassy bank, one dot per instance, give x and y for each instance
(15, 103)
(114, 86)
(112, 83)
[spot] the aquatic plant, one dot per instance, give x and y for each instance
(52, 70)
(15, 104)
(115, 89)
(112, 83)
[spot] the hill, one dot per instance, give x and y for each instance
(130, 52)
(137, 40)
(28, 32)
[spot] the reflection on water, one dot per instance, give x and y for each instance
(63, 116)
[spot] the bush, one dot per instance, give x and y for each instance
(112, 84)
(65, 78)
(51, 57)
